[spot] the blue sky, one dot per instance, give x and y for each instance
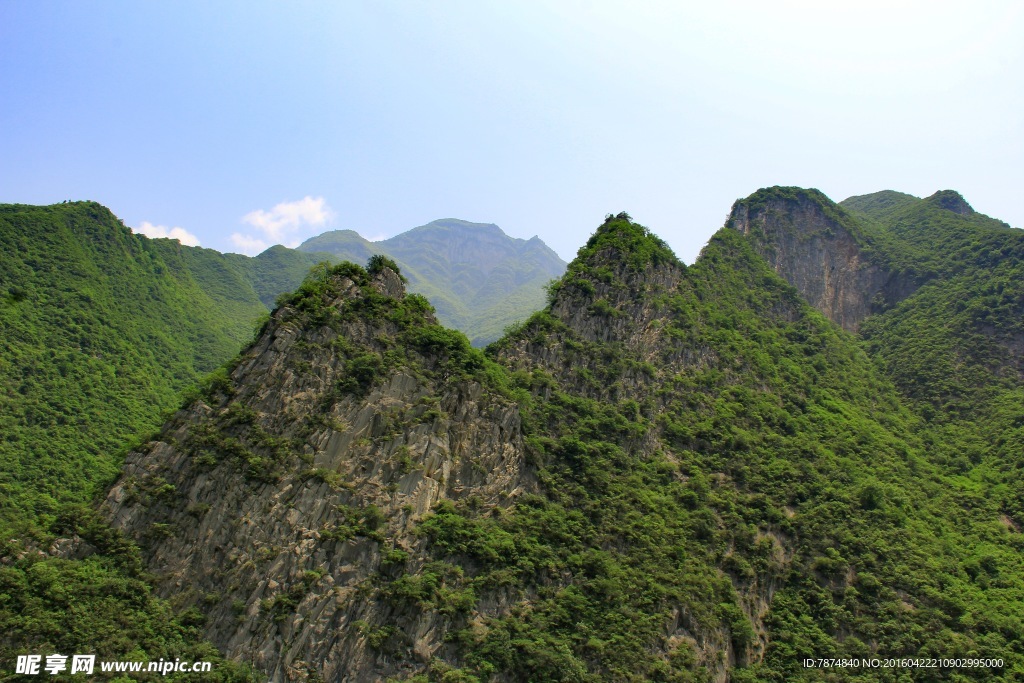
(245, 124)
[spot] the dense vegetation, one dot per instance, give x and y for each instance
(724, 479)
(954, 347)
(748, 477)
(101, 330)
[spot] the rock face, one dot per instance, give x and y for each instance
(817, 248)
(274, 501)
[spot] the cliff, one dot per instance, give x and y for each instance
(275, 501)
(671, 473)
(819, 249)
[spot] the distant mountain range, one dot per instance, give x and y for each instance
(479, 279)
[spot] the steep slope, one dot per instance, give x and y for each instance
(935, 282)
(301, 474)
(954, 346)
(934, 286)
(99, 330)
(671, 474)
(479, 279)
(819, 249)
(964, 331)
(752, 483)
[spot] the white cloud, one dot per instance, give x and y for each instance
(283, 224)
(248, 245)
(175, 233)
(288, 217)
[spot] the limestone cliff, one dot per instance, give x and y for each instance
(275, 502)
(820, 250)
(671, 473)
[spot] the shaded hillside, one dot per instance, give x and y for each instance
(478, 279)
(822, 251)
(669, 474)
(956, 348)
(935, 288)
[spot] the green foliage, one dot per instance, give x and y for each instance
(378, 262)
(761, 447)
(99, 605)
(99, 331)
(625, 242)
(712, 459)
(361, 373)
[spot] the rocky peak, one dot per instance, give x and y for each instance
(951, 200)
(605, 294)
(278, 498)
(389, 282)
(819, 249)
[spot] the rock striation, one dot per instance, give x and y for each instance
(671, 473)
(273, 502)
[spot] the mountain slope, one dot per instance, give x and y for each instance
(819, 503)
(934, 287)
(822, 251)
(100, 330)
(953, 346)
(670, 474)
(303, 471)
(478, 279)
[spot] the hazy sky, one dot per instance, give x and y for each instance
(247, 124)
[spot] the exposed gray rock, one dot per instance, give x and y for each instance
(820, 256)
(270, 506)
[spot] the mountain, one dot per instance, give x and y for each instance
(670, 473)
(100, 331)
(346, 245)
(102, 328)
(934, 287)
(478, 279)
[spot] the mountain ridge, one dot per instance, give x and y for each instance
(473, 273)
(671, 472)
(720, 482)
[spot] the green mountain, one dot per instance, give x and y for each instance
(101, 330)
(804, 445)
(671, 473)
(955, 346)
(478, 279)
